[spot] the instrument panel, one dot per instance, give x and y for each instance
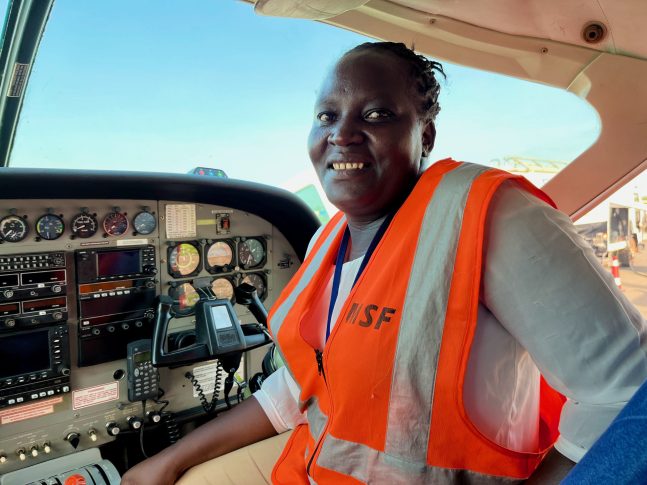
(78, 282)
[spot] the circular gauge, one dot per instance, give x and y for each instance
(50, 227)
(84, 225)
(257, 282)
(251, 252)
(144, 223)
(13, 228)
(219, 255)
(115, 224)
(223, 289)
(183, 260)
(185, 297)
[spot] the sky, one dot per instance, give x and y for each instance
(168, 85)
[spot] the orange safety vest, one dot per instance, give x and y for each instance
(387, 404)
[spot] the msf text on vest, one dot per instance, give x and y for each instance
(369, 314)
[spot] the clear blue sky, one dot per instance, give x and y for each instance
(168, 85)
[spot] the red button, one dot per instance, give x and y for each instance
(75, 480)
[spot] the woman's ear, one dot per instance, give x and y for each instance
(428, 138)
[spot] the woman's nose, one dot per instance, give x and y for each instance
(345, 132)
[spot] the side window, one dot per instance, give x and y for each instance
(617, 230)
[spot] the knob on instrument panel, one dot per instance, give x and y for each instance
(22, 454)
(92, 433)
(134, 422)
(154, 416)
(113, 428)
(73, 438)
(7, 293)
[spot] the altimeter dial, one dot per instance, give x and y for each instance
(251, 253)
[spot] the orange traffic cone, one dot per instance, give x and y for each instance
(615, 270)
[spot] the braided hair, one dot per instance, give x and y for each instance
(422, 71)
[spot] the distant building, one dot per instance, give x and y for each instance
(613, 225)
(537, 170)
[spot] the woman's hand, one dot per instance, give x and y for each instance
(157, 470)
(243, 425)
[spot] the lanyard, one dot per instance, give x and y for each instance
(340, 261)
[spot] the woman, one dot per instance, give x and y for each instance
(408, 331)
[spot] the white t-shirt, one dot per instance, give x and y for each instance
(549, 306)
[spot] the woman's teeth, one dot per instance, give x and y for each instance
(347, 166)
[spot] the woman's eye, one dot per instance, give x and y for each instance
(325, 117)
(378, 114)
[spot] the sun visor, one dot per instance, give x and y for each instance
(306, 9)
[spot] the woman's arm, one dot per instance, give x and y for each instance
(243, 425)
(543, 283)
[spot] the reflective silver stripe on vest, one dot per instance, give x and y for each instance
(371, 466)
(414, 371)
(306, 277)
(316, 419)
(423, 316)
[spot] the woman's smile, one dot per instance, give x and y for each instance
(367, 138)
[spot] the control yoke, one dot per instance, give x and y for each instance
(217, 329)
(246, 295)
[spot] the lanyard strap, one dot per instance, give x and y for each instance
(340, 262)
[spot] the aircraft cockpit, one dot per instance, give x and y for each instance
(140, 250)
(81, 273)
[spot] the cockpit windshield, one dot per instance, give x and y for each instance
(168, 86)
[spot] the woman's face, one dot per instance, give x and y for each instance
(367, 137)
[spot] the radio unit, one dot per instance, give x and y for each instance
(116, 298)
(23, 277)
(33, 290)
(31, 313)
(34, 364)
(95, 265)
